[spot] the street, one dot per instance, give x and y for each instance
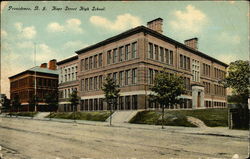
(40, 139)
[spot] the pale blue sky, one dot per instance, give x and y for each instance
(222, 28)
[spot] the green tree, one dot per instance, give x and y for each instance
(111, 91)
(74, 101)
(166, 89)
(51, 98)
(16, 104)
(238, 79)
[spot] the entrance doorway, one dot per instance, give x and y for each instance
(199, 100)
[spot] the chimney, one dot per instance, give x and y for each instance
(52, 64)
(156, 25)
(193, 43)
(43, 65)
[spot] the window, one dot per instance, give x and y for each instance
(181, 61)
(86, 64)
(134, 102)
(91, 62)
(167, 56)
(150, 50)
(100, 104)
(134, 50)
(127, 102)
(151, 74)
(109, 57)
(121, 54)
(115, 77)
(184, 61)
(95, 83)
(95, 61)
(100, 82)
(86, 84)
(134, 76)
(195, 70)
(90, 83)
(114, 55)
(127, 52)
(172, 58)
(82, 64)
(156, 52)
(162, 54)
(121, 78)
(100, 60)
(127, 72)
(121, 103)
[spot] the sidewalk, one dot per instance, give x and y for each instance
(213, 131)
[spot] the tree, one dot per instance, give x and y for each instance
(238, 79)
(51, 98)
(166, 89)
(111, 91)
(6, 104)
(74, 100)
(32, 103)
(16, 104)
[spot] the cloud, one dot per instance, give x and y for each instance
(71, 25)
(25, 32)
(190, 20)
(228, 38)
(55, 27)
(3, 33)
(122, 22)
(44, 53)
(3, 5)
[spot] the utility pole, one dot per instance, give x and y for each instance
(35, 76)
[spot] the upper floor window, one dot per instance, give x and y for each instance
(114, 55)
(100, 60)
(156, 52)
(86, 64)
(134, 50)
(161, 54)
(95, 61)
(184, 62)
(91, 62)
(127, 52)
(195, 70)
(82, 64)
(109, 57)
(121, 54)
(150, 50)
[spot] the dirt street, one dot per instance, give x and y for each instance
(37, 139)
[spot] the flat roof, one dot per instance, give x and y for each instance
(153, 33)
(67, 60)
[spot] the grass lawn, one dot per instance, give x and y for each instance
(93, 116)
(154, 118)
(211, 117)
(28, 114)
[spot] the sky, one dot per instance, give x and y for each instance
(222, 28)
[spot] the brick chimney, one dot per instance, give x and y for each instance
(193, 43)
(52, 64)
(156, 25)
(43, 65)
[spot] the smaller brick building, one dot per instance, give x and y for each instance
(23, 84)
